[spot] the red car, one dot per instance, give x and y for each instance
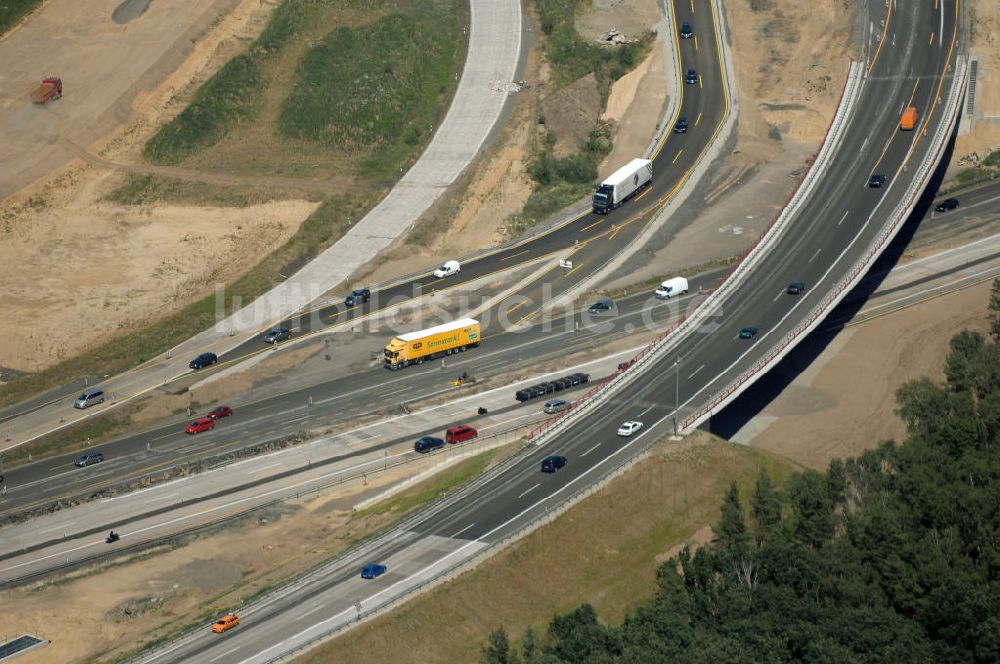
(460, 433)
(221, 411)
(201, 424)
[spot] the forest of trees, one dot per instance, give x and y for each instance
(890, 557)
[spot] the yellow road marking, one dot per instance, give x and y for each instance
(516, 307)
(697, 119)
(677, 156)
(885, 31)
(520, 253)
(937, 93)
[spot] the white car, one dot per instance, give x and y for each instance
(448, 269)
(629, 428)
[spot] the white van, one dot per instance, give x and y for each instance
(671, 287)
(448, 269)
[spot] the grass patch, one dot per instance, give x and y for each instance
(231, 96)
(317, 232)
(12, 11)
(432, 489)
(592, 553)
(398, 70)
(148, 189)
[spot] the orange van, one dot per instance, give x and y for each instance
(909, 120)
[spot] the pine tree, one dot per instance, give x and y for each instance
(497, 648)
(731, 531)
(765, 507)
(836, 481)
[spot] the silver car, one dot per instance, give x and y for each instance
(89, 398)
(556, 406)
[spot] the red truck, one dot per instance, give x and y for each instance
(50, 88)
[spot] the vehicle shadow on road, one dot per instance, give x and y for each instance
(750, 404)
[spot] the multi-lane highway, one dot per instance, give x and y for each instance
(590, 240)
(828, 236)
(341, 401)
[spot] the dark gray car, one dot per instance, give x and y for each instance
(88, 458)
(277, 334)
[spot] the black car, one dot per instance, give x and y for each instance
(358, 296)
(203, 360)
(553, 463)
(795, 288)
(748, 332)
(946, 204)
(602, 306)
(428, 443)
(681, 126)
(691, 76)
(686, 32)
(277, 334)
(876, 181)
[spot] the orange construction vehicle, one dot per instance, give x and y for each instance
(909, 120)
(49, 89)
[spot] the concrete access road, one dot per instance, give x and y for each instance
(825, 240)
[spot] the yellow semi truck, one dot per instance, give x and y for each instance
(415, 347)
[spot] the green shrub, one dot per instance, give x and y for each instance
(375, 90)
(286, 22)
(232, 95)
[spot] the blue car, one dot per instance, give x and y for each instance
(372, 570)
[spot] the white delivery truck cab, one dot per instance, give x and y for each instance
(622, 184)
(671, 287)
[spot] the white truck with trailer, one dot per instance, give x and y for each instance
(622, 184)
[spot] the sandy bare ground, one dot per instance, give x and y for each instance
(103, 65)
(983, 136)
(77, 271)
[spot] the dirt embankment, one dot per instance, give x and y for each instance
(981, 136)
(77, 271)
